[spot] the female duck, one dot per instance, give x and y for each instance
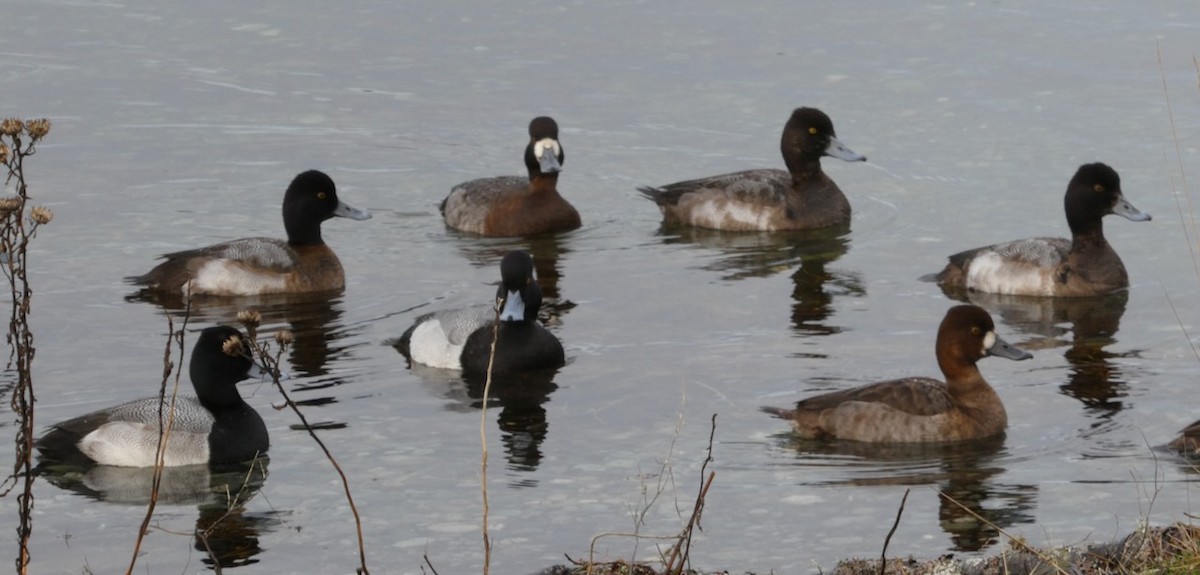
(253, 266)
(512, 205)
(1085, 265)
(918, 409)
(801, 198)
(215, 426)
(462, 338)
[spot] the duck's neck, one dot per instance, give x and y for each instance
(1087, 237)
(304, 234)
(543, 183)
(804, 169)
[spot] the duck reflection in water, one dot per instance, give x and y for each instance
(547, 251)
(519, 397)
(761, 254)
(315, 321)
(1086, 326)
(965, 474)
(225, 531)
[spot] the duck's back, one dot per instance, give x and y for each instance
(127, 434)
(508, 206)
(520, 347)
(437, 339)
(1031, 266)
(249, 265)
(762, 200)
(898, 411)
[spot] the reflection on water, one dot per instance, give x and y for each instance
(1087, 325)
(224, 531)
(752, 255)
(315, 321)
(522, 418)
(546, 249)
(964, 473)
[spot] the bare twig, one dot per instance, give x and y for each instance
(166, 421)
(683, 546)
(272, 364)
(483, 464)
(1045, 559)
(892, 531)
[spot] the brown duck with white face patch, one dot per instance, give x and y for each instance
(515, 206)
(801, 198)
(918, 409)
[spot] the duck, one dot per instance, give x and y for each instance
(800, 198)
(258, 266)
(460, 339)
(510, 206)
(1085, 265)
(918, 409)
(215, 426)
(1188, 442)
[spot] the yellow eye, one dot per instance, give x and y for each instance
(812, 131)
(975, 330)
(1099, 189)
(320, 195)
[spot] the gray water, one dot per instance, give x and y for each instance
(177, 125)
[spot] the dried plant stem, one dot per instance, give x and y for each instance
(483, 465)
(272, 364)
(15, 236)
(166, 421)
(683, 546)
(1190, 228)
(892, 531)
(1045, 559)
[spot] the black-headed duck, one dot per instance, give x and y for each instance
(506, 206)
(216, 426)
(461, 338)
(918, 409)
(1084, 265)
(255, 266)
(801, 198)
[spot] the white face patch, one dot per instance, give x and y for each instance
(514, 308)
(540, 146)
(988, 341)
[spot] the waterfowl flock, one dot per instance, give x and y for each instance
(217, 426)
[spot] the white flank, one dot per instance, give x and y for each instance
(131, 444)
(989, 272)
(429, 345)
(222, 277)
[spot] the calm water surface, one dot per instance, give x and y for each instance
(176, 127)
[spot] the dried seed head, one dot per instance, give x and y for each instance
(284, 337)
(233, 346)
(11, 126)
(8, 205)
(249, 317)
(37, 128)
(3, 153)
(41, 215)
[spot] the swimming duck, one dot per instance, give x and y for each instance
(216, 426)
(918, 409)
(254, 266)
(461, 338)
(1188, 441)
(512, 205)
(1084, 265)
(801, 198)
